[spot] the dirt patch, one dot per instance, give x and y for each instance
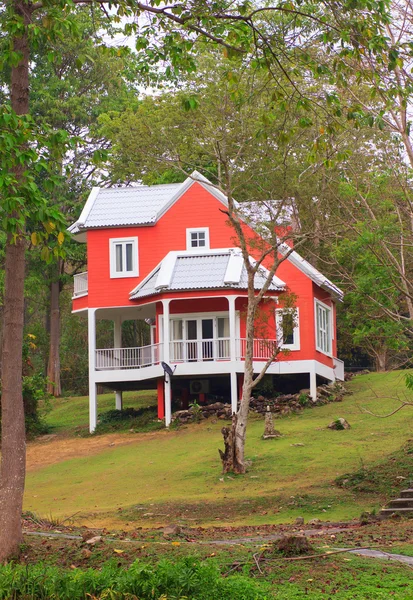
(45, 451)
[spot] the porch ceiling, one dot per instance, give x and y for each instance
(128, 313)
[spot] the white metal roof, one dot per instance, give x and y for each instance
(313, 273)
(213, 269)
(137, 205)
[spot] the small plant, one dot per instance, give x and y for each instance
(196, 411)
(303, 399)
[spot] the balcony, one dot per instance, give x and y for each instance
(80, 285)
(188, 351)
(128, 358)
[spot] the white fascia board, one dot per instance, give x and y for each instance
(195, 177)
(314, 274)
(234, 269)
(166, 271)
(87, 208)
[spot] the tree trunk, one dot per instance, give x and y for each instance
(53, 367)
(13, 436)
(381, 359)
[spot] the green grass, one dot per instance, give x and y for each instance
(68, 414)
(176, 475)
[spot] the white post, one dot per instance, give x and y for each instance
(168, 402)
(93, 405)
(117, 332)
(234, 392)
(166, 333)
(232, 329)
(313, 385)
(117, 342)
(166, 355)
(119, 399)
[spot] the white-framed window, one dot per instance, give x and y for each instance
(288, 328)
(323, 327)
(123, 254)
(197, 238)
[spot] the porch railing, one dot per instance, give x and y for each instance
(128, 358)
(262, 349)
(80, 284)
(200, 350)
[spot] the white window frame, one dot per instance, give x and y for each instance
(197, 230)
(114, 274)
(279, 312)
(329, 313)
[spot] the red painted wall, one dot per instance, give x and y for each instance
(196, 208)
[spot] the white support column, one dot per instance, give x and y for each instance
(119, 399)
(232, 329)
(168, 400)
(166, 357)
(234, 392)
(313, 385)
(117, 342)
(93, 405)
(117, 332)
(166, 333)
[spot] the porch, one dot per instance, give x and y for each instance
(198, 350)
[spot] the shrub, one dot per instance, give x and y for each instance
(186, 578)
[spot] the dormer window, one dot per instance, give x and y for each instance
(123, 257)
(197, 238)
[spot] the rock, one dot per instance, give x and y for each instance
(171, 530)
(314, 522)
(299, 521)
(94, 540)
(297, 445)
(86, 553)
(339, 424)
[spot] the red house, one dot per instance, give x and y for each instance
(166, 254)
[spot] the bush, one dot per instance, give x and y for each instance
(186, 578)
(141, 419)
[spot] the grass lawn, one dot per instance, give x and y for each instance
(151, 479)
(71, 415)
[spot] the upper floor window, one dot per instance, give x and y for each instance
(197, 238)
(323, 325)
(288, 328)
(123, 257)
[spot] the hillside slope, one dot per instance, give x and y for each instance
(155, 478)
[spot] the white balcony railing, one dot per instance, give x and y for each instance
(80, 285)
(200, 350)
(262, 349)
(128, 358)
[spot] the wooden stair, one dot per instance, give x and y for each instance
(402, 506)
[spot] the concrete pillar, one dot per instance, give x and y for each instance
(119, 399)
(313, 386)
(161, 398)
(166, 332)
(93, 405)
(168, 400)
(234, 393)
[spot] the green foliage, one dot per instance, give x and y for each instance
(196, 411)
(139, 420)
(185, 578)
(34, 394)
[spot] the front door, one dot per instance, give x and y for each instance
(207, 331)
(191, 336)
